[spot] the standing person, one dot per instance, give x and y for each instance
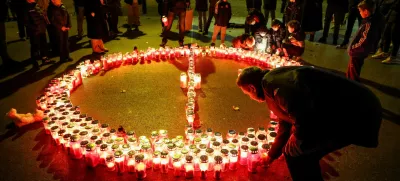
(269, 8)
(201, 8)
(80, 11)
(253, 4)
(354, 15)
(44, 5)
(302, 97)
(20, 9)
(3, 44)
(114, 11)
(133, 14)
(293, 11)
(223, 14)
(336, 9)
(36, 23)
(294, 45)
(311, 18)
(160, 4)
(61, 22)
(363, 41)
(211, 10)
(390, 36)
(144, 7)
(174, 8)
(96, 24)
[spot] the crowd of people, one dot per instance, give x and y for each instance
(378, 21)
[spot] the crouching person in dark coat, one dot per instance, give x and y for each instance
(318, 112)
(36, 23)
(61, 23)
(254, 20)
(276, 36)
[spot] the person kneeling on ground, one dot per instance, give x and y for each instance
(294, 45)
(305, 100)
(245, 42)
(276, 36)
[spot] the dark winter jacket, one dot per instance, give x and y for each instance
(35, 21)
(176, 6)
(339, 5)
(394, 13)
(256, 4)
(293, 11)
(270, 4)
(260, 22)
(364, 40)
(353, 4)
(276, 37)
(223, 13)
(307, 99)
(160, 6)
(212, 4)
(201, 5)
(58, 16)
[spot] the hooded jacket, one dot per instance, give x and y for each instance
(320, 106)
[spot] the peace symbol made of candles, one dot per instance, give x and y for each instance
(194, 155)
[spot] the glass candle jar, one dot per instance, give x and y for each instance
(216, 146)
(171, 152)
(156, 161)
(231, 135)
(66, 140)
(271, 137)
(103, 153)
(177, 165)
(261, 130)
(120, 161)
(225, 159)
(75, 147)
(225, 144)
(217, 167)
(164, 162)
(83, 146)
(92, 157)
(130, 165)
(264, 155)
(218, 136)
(60, 139)
(243, 154)
(119, 140)
(253, 160)
(110, 163)
(83, 135)
(245, 141)
(54, 132)
(189, 167)
(163, 134)
(251, 131)
(104, 128)
(197, 141)
(113, 134)
(251, 137)
(233, 160)
(203, 166)
(210, 154)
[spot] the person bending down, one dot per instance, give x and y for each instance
(245, 42)
(306, 102)
(294, 45)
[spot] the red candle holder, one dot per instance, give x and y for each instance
(253, 160)
(203, 166)
(218, 167)
(233, 160)
(92, 157)
(131, 162)
(120, 161)
(75, 147)
(110, 163)
(140, 167)
(164, 162)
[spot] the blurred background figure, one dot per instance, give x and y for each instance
(133, 14)
(211, 10)
(95, 11)
(336, 9)
(114, 11)
(201, 8)
(80, 12)
(311, 18)
(269, 8)
(20, 9)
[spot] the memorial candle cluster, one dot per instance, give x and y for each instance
(197, 154)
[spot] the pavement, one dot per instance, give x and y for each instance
(153, 100)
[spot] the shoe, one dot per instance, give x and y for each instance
(322, 40)
(79, 37)
(46, 60)
(342, 46)
(163, 43)
(205, 33)
(380, 55)
(334, 42)
(212, 44)
(200, 30)
(390, 60)
(181, 43)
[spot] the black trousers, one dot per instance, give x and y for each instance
(354, 68)
(351, 19)
(38, 46)
(267, 12)
(63, 45)
(339, 17)
(53, 39)
(144, 7)
(3, 44)
(167, 29)
(113, 20)
(209, 18)
(306, 166)
(21, 23)
(391, 35)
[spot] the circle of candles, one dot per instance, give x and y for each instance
(217, 167)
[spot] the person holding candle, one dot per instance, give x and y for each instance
(171, 9)
(302, 97)
(223, 14)
(276, 36)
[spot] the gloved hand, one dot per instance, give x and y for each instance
(292, 147)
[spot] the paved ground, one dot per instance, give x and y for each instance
(28, 155)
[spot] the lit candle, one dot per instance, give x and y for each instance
(204, 166)
(156, 161)
(217, 167)
(110, 163)
(225, 159)
(103, 153)
(91, 157)
(131, 161)
(75, 148)
(177, 165)
(183, 80)
(197, 80)
(253, 160)
(164, 162)
(140, 167)
(264, 155)
(233, 159)
(243, 154)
